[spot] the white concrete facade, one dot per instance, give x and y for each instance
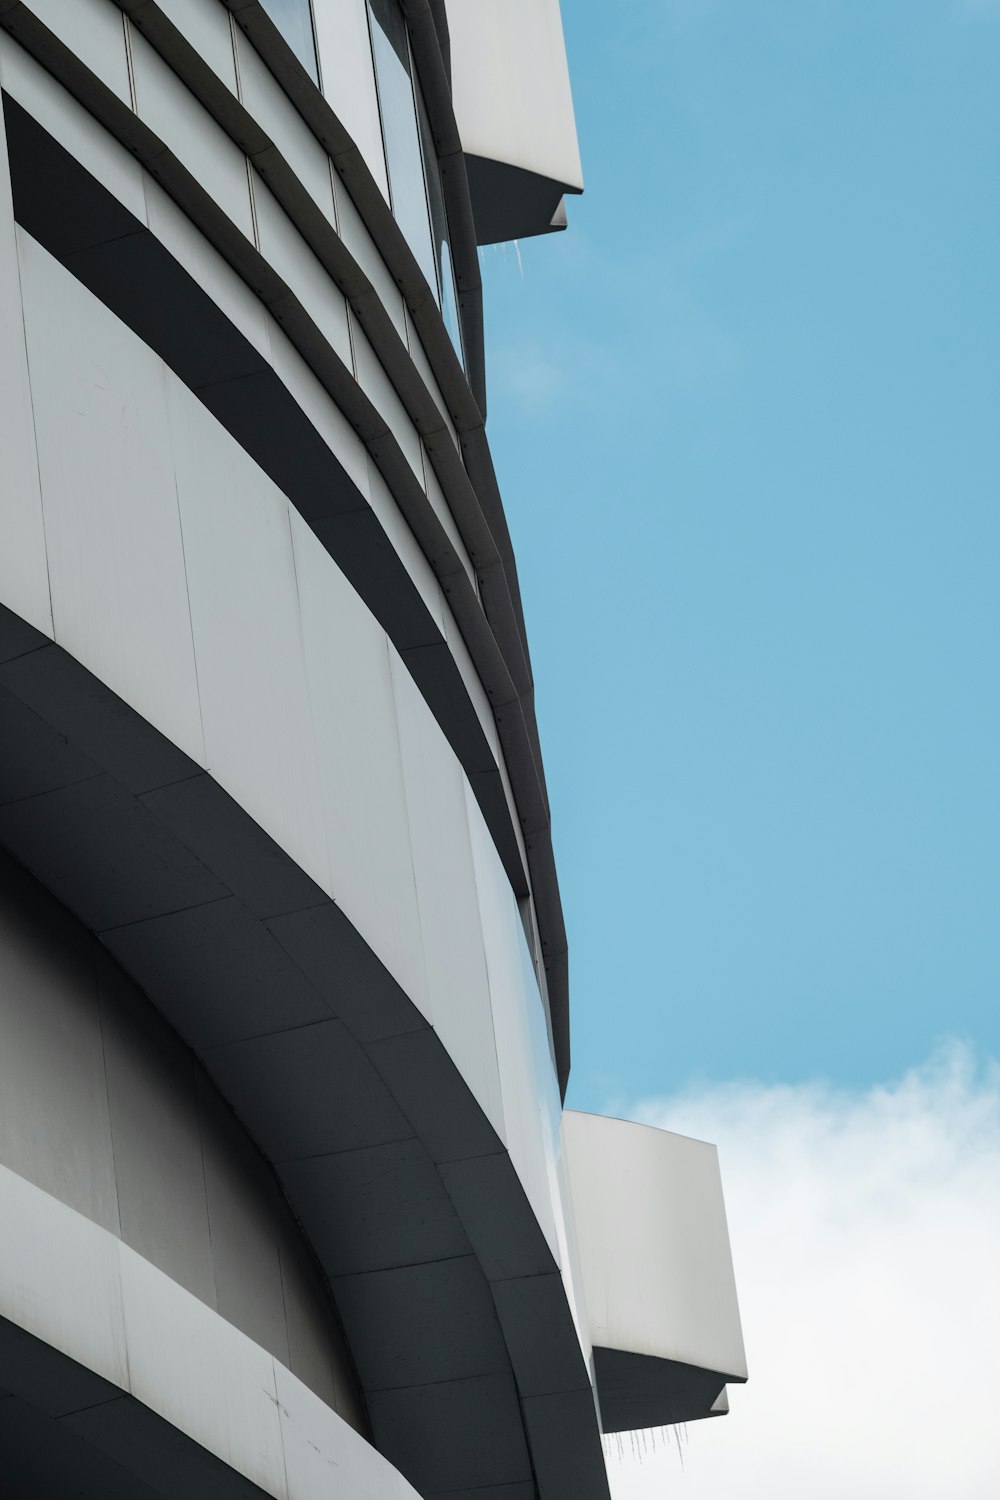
(267, 740)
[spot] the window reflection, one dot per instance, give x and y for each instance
(293, 19)
(399, 129)
(411, 159)
(447, 297)
(415, 188)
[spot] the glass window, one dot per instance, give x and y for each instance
(394, 78)
(447, 295)
(293, 19)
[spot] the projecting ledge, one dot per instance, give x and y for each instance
(514, 112)
(656, 1269)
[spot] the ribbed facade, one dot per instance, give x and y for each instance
(290, 1205)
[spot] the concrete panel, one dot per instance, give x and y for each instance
(333, 429)
(81, 710)
(341, 1102)
(400, 1212)
(397, 529)
(371, 563)
(203, 262)
(24, 584)
(569, 1255)
(491, 1201)
(341, 967)
(654, 1247)
(526, 1490)
(157, 1137)
(464, 1433)
(350, 1402)
(54, 1126)
(422, 1323)
(50, 1382)
(208, 30)
(241, 984)
(271, 107)
(356, 237)
(185, 126)
(363, 804)
(474, 687)
(538, 1330)
(201, 1374)
(566, 1445)
(144, 870)
(241, 582)
(454, 952)
(382, 393)
(309, 1321)
(511, 86)
(43, 1458)
(348, 73)
(33, 758)
(60, 1279)
(17, 637)
(153, 294)
(531, 1105)
(116, 562)
(94, 32)
(83, 137)
(219, 832)
(434, 1096)
(287, 252)
(318, 1444)
(148, 1447)
(244, 1212)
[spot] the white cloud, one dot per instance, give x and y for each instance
(866, 1237)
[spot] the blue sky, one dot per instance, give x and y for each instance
(745, 418)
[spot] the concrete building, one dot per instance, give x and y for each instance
(289, 1204)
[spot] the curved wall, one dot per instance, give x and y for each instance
(213, 115)
(180, 575)
(161, 557)
(274, 744)
(103, 1107)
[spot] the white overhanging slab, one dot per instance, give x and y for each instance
(514, 109)
(657, 1271)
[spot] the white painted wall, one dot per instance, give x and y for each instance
(653, 1243)
(511, 86)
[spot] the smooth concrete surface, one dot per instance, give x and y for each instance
(388, 1160)
(217, 571)
(293, 458)
(23, 572)
(656, 1268)
(117, 1382)
(103, 1107)
(514, 111)
(122, 271)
